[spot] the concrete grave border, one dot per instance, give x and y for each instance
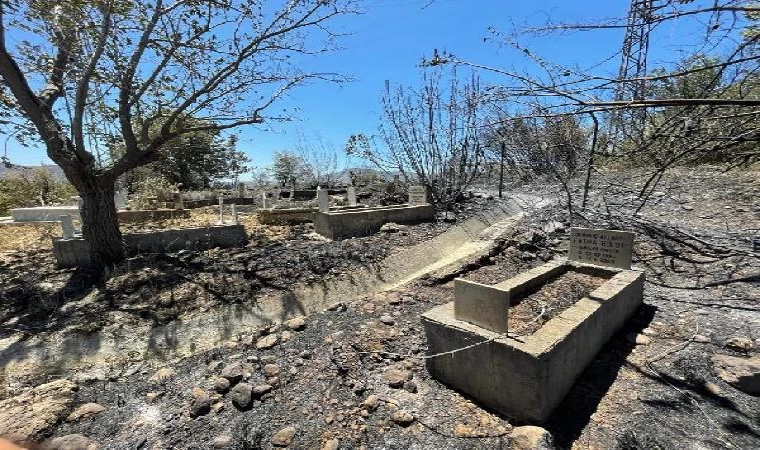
(527, 379)
(367, 221)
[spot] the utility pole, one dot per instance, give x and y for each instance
(501, 170)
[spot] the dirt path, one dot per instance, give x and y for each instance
(115, 345)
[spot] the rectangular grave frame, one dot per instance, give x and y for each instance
(526, 379)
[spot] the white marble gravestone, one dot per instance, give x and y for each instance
(323, 199)
(351, 196)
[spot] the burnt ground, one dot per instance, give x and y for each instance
(37, 297)
(660, 393)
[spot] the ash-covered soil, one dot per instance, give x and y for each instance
(355, 375)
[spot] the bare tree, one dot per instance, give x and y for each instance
(319, 158)
(109, 69)
(431, 135)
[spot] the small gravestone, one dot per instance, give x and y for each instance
(120, 200)
(178, 202)
(264, 200)
(417, 195)
(221, 211)
(323, 199)
(67, 225)
(601, 247)
(351, 196)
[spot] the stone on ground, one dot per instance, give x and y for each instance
(200, 405)
(531, 438)
(403, 418)
(69, 442)
(241, 395)
(396, 378)
(296, 324)
(267, 342)
(740, 344)
(32, 413)
(85, 411)
(331, 444)
(284, 437)
(222, 441)
(741, 373)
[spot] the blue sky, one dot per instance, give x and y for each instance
(387, 43)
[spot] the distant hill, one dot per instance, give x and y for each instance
(52, 168)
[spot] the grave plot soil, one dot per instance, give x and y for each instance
(533, 310)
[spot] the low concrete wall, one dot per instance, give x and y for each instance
(44, 213)
(345, 224)
(290, 216)
(527, 379)
(192, 204)
(75, 252)
(142, 215)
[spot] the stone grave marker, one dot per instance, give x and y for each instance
(323, 199)
(351, 196)
(178, 202)
(601, 247)
(221, 211)
(417, 195)
(67, 225)
(264, 200)
(120, 200)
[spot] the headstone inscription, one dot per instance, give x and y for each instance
(351, 196)
(323, 199)
(601, 247)
(417, 195)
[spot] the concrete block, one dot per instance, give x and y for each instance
(43, 213)
(367, 221)
(482, 305)
(526, 379)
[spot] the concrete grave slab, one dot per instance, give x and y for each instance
(43, 213)
(527, 378)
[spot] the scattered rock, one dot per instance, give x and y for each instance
(200, 405)
(34, 412)
(261, 389)
(85, 411)
(371, 402)
(713, 388)
(639, 339)
(162, 375)
(240, 395)
(648, 332)
(701, 339)
(285, 336)
(411, 387)
(741, 373)
(152, 396)
(740, 344)
(331, 444)
(222, 441)
(69, 442)
(531, 438)
(403, 418)
(266, 342)
(233, 373)
(222, 385)
(271, 370)
(284, 437)
(391, 227)
(396, 378)
(295, 324)
(386, 319)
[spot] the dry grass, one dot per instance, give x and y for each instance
(37, 236)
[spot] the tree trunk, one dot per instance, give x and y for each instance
(100, 224)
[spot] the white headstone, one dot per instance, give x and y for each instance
(351, 196)
(221, 211)
(120, 199)
(323, 199)
(601, 247)
(264, 200)
(417, 195)
(234, 214)
(67, 225)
